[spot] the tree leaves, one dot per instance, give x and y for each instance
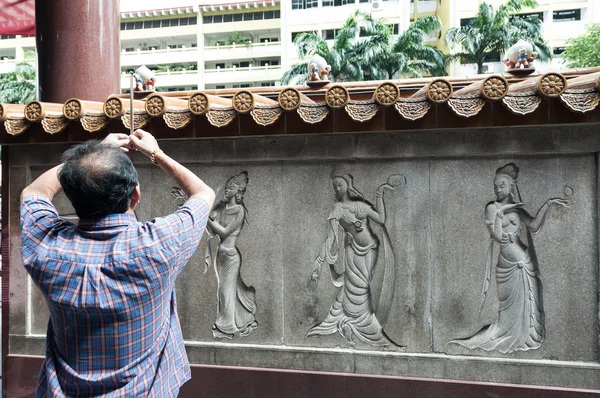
(494, 31)
(363, 48)
(582, 51)
(17, 87)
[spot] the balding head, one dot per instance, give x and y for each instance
(98, 179)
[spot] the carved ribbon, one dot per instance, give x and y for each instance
(94, 122)
(361, 111)
(522, 103)
(220, 116)
(140, 119)
(580, 101)
(266, 114)
(16, 125)
(313, 113)
(53, 124)
(177, 118)
(466, 106)
(412, 109)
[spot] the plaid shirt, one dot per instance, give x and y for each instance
(109, 284)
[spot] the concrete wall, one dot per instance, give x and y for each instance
(437, 230)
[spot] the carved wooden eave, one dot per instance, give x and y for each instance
(525, 97)
(359, 102)
(470, 100)
(583, 93)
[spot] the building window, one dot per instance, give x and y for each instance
(538, 15)
(329, 34)
(248, 16)
(157, 23)
(336, 3)
(566, 15)
(220, 66)
(245, 64)
(396, 29)
(294, 34)
(492, 57)
(466, 21)
(557, 51)
(267, 84)
(246, 85)
(304, 4)
(219, 87)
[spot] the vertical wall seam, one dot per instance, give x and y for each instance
(430, 264)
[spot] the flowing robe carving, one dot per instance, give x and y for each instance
(352, 314)
(520, 322)
(236, 303)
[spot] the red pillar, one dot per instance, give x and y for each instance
(78, 49)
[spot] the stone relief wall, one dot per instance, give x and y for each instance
(345, 257)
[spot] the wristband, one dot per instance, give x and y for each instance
(153, 155)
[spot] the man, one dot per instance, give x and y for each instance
(109, 280)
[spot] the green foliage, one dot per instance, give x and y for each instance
(584, 51)
(409, 56)
(495, 31)
(236, 38)
(364, 49)
(176, 67)
(17, 87)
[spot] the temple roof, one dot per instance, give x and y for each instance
(408, 104)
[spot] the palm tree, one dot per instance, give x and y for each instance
(17, 87)
(408, 56)
(349, 57)
(494, 31)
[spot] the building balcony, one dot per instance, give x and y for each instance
(172, 31)
(17, 42)
(160, 56)
(423, 6)
(241, 51)
(7, 65)
(168, 79)
(242, 75)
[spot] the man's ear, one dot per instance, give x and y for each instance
(136, 196)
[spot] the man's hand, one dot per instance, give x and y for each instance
(143, 142)
(118, 140)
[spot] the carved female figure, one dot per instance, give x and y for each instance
(352, 313)
(520, 322)
(236, 304)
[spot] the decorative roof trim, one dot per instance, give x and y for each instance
(360, 100)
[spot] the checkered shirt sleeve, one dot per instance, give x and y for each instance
(188, 225)
(38, 219)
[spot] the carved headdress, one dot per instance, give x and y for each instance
(511, 171)
(241, 180)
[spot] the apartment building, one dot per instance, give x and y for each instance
(562, 19)
(213, 44)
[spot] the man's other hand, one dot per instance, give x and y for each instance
(118, 140)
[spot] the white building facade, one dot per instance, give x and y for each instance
(215, 44)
